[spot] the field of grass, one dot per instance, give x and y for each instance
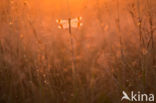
(114, 50)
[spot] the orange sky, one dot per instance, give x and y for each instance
(59, 5)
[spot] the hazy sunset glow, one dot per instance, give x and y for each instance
(77, 51)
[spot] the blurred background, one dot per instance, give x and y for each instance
(114, 50)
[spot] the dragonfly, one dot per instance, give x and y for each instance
(73, 23)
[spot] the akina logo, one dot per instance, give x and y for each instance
(141, 97)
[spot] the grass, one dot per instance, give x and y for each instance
(36, 59)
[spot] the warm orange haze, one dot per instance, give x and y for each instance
(77, 51)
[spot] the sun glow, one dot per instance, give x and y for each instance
(59, 5)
